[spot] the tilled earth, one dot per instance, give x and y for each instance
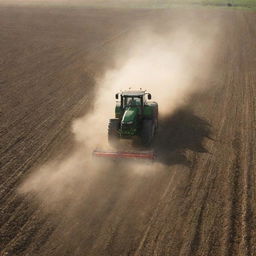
(204, 203)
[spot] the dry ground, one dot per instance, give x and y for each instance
(204, 204)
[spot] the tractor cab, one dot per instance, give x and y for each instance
(132, 99)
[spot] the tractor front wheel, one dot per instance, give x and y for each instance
(113, 134)
(148, 131)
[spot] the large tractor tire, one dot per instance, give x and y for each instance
(155, 117)
(113, 134)
(148, 132)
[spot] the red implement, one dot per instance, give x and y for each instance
(127, 155)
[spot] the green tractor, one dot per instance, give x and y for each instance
(135, 116)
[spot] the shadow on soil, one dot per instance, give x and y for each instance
(179, 132)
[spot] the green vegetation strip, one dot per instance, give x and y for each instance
(241, 4)
(151, 4)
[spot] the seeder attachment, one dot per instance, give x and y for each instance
(125, 155)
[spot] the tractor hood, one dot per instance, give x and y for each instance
(130, 115)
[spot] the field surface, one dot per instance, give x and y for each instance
(205, 201)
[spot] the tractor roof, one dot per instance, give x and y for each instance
(133, 93)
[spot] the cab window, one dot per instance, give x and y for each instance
(131, 101)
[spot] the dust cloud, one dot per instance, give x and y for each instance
(171, 65)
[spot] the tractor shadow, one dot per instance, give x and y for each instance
(179, 132)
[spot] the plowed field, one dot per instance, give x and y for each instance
(203, 203)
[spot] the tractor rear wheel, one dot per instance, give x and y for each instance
(113, 134)
(148, 132)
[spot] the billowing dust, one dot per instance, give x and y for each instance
(171, 65)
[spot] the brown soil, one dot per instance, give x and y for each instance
(203, 204)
